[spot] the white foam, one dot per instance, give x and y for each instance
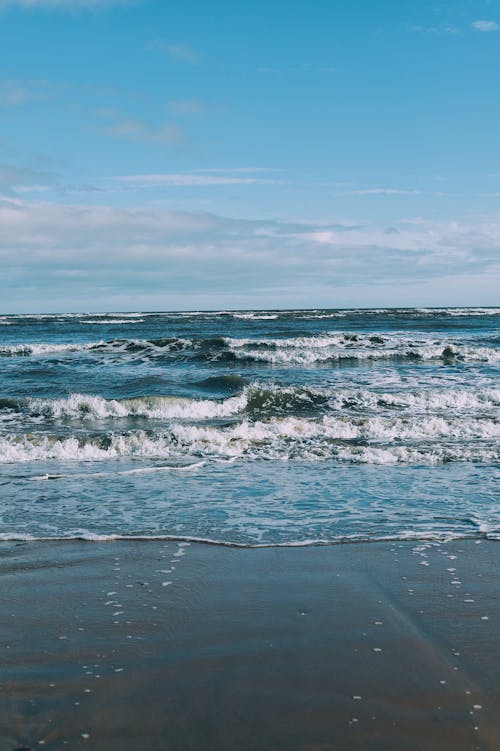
(116, 346)
(256, 316)
(484, 401)
(426, 400)
(374, 346)
(460, 311)
(436, 537)
(109, 321)
(377, 440)
(81, 406)
(43, 348)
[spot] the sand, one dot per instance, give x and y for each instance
(142, 646)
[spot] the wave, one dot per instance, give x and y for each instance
(302, 350)
(81, 406)
(177, 466)
(374, 440)
(331, 347)
(56, 316)
(409, 536)
(304, 313)
(459, 311)
(108, 321)
(120, 314)
(256, 316)
(125, 346)
(222, 383)
(256, 400)
(322, 313)
(43, 348)
(329, 313)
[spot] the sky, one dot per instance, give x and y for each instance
(197, 154)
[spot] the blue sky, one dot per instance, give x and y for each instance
(160, 154)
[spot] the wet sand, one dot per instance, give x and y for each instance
(145, 646)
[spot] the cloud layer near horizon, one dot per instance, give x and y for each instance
(100, 256)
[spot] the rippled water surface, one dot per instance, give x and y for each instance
(266, 427)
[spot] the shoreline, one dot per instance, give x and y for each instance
(180, 645)
(414, 539)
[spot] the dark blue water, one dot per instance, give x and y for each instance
(273, 427)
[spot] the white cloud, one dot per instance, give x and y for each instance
(18, 179)
(380, 192)
(180, 52)
(96, 254)
(190, 179)
(485, 25)
(442, 29)
(227, 170)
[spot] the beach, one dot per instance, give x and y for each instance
(171, 645)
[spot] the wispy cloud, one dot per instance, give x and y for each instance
(186, 107)
(18, 179)
(485, 25)
(191, 179)
(135, 130)
(380, 192)
(441, 29)
(383, 191)
(15, 92)
(180, 52)
(130, 129)
(228, 170)
(15, 178)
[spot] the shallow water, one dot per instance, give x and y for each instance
(275, 427)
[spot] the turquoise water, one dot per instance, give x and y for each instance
(265, 427)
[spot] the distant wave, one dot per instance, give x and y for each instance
(262, 315)
(302, 350)
(44, 348)
(114, 345)
(331, 347)
(109, 321)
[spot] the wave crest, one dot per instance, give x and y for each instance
(375, 440)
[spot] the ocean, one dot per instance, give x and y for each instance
(251, 428)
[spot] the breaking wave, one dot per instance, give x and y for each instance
(301, 351)
(43, 348)
(377, 439)
(331, 347)
(257, 401)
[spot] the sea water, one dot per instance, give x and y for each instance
(251, 428)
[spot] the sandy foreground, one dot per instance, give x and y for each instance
(145, 646)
